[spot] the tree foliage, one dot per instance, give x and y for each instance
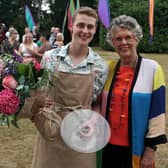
(139, 10)
(12, 13)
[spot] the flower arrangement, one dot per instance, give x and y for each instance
(17, 79)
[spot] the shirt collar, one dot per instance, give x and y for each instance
(64, 49)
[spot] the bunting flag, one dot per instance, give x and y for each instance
(71, 11)
(65, 19)
(151, 20)
(77, 4)
(104, 12)
(29, 18)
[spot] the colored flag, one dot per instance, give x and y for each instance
(77, 4)
(29, 18)
(151, 20)
(65, 19)
(71, 11)
(104, 12)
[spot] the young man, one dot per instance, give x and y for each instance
(81, 74)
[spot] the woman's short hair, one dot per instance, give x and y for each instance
(85, 10)
(126, 22)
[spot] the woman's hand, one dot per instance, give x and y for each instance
(147, 160)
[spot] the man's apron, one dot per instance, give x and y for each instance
(69, 91)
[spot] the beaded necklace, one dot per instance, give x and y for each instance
(119, 98)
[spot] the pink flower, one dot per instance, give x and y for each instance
(9, 102)
(9, 82)
(37, 65)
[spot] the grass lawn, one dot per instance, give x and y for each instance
(16, 145)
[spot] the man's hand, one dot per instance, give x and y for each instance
(38, 103)
(41, 102)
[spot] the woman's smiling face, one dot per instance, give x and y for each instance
(125, 42)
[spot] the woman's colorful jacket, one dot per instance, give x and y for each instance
(146, 107)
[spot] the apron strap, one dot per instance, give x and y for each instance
(57, 65)
(62, 108)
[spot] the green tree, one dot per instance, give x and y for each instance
(9, 11)
(58, 9)
(12, 12)
(139, 10)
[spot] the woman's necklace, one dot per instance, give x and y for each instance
(119, 99)
(130, 63)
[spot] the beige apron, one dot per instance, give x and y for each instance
(70, 91)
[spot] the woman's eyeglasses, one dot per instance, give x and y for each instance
(127, 39)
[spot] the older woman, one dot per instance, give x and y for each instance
(133, 101)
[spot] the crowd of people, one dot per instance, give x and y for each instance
(129, 93)
(32, 44)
